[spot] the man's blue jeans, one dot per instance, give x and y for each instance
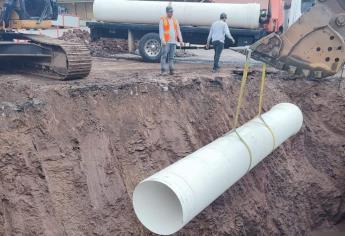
(218, 48)
(168, 56)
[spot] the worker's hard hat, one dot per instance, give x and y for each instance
(223, 16)
(170, 9)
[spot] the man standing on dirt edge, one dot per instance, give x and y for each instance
(218, 31)
(170, 33)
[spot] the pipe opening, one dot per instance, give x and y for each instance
(158, 208)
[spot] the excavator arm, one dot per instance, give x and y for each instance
(312, 47)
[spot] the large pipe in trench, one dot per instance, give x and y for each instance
(168, 200)
(188, 13)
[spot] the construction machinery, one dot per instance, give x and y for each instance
(38, 54)
(312, 47)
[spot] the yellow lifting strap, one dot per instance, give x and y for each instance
(248, 149)
(262, 88)
(238, 109)
(239, 106)
(261, 97)
(242, 90)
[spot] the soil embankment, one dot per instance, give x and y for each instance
(71, 153)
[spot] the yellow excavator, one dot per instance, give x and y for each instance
(37, 54)
(312, 47)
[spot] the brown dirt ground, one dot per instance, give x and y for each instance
(71, 153)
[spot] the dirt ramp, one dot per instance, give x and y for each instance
(71, 155)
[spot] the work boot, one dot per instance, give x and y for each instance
(216, 69)
(163, 73)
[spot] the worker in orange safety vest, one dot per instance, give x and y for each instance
(170, 35)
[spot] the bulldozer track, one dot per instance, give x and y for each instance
(78, 59)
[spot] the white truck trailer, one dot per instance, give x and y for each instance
(138, 20)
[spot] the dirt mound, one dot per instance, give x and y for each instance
(106, 47)
(103, 47)
(72, 153)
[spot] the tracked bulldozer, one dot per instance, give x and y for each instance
(38, 54)
(312, 47)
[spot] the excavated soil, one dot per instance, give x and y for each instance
(71, 153)
(104, 47)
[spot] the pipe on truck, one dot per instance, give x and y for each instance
(188, 13)
(168, 200)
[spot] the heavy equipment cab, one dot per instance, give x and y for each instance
(29, 10)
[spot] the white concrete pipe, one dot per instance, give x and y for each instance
(188, 13)
(168, 200)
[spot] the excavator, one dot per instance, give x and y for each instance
(312, 47)
(38, 54)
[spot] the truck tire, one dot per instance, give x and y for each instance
(150, 47)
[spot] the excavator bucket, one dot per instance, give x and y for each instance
(311, 47)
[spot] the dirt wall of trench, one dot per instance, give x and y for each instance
(71, 155)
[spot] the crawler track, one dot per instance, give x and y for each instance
(68, 60)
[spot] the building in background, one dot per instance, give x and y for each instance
(80, 8)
